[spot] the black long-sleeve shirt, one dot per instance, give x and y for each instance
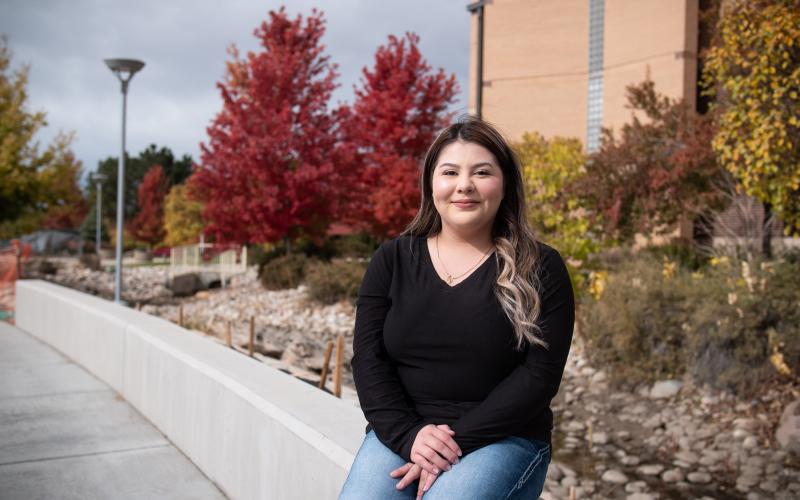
(428, 353)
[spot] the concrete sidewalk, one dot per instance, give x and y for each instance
(66, 435)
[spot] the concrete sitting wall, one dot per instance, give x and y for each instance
(253, 430)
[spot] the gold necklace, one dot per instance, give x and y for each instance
(450, 277)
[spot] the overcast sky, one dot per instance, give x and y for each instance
(183, 44)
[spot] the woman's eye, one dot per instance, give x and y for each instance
(482, 172)
(448, 172)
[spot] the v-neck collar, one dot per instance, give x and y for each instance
(429, 263)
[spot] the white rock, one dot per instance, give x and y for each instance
(687, 456)
(641, 496)
(569, 481)
(636, 487)
(568, 471)
(599, 437)
(749, 443)
(614, 476)
(554, 472)
(599, 377)
(629, 460)
(769, 485)
(672, 476)
(699, 477)
(650, 469)
(665, 389)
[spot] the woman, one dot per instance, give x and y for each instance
(463, 327)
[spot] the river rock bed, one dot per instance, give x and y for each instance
(684, 442)
(666, 441)
(288, 326)
(140, 284)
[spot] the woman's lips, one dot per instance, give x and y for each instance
(467, 204)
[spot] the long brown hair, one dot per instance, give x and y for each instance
(517, 252)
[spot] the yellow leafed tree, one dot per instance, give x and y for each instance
(183, 217)
(549, 168)
(754, 72)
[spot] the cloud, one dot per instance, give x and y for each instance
(183, 43)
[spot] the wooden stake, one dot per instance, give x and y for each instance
(180, 315)
(323, 378)
(337, 371)
(252, 334)
(228, 333)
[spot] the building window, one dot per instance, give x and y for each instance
(594, 112)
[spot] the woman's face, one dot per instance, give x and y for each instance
(467, 186)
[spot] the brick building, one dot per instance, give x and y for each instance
(560, 68)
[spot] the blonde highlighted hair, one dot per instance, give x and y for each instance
(517, 286)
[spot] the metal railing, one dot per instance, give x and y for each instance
(189, 258)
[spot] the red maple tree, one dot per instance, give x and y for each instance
(399, 108)
(148, 224)
(269, 169)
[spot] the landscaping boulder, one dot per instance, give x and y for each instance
(209, 279)
(788, 432)
(185, 285)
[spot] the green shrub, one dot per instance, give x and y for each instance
(359, 245)
(90, 261)
(286, 271)
(732, 325)
(745, 325)
(330, 282)
(679, 250)
(635, 326)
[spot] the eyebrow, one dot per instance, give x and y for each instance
(481, 164)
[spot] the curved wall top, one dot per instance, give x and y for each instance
(255, 431)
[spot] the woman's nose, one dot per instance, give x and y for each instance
(465, 183)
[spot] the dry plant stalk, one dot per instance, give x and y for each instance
(740, 225)
(250, 345)
(337, 372)
(325, 362)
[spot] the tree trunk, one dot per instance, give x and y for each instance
(766, 234)
(702, 232)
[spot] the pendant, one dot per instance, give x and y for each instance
(449, 280)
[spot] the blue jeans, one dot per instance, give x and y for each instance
(512, 468)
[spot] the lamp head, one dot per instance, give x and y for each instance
(124, 68)
(97, 177)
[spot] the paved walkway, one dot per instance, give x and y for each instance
(66, 435)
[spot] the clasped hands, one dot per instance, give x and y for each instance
(434, 451)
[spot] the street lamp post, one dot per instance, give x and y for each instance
(98, 179)
(124, 69)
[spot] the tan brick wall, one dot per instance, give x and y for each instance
(658, 37)
(536, 60)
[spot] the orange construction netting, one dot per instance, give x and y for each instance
(12, 259)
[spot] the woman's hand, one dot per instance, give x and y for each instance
(413, 471)
(434, 448)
